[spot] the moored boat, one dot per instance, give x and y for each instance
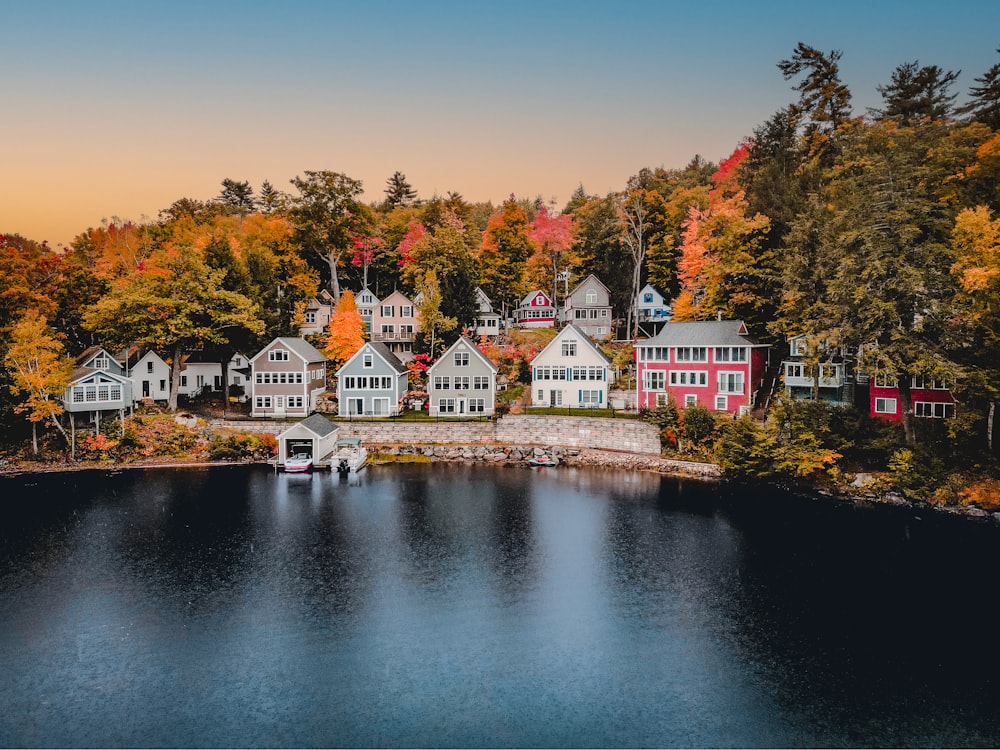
(298, 463)
(543, 461)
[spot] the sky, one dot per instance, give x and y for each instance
(117, 109)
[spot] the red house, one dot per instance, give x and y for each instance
(535, 311)
(931, 398)
(715, 364)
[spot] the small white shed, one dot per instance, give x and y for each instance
(315, 435)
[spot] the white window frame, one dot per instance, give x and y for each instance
(690, 399)
(888, 405)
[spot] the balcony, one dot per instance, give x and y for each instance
(390, 336)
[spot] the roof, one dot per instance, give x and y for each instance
(382, 351)
(526, 300)
(300, 346)
(579, 286)
(573, 329)
(319, 424)
(471, 345)
(703, 333)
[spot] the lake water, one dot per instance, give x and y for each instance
(447, 605)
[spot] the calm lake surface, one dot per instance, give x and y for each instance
(444, 605)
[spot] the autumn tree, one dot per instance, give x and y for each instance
(40, 372)
(443, 252)
(118, 246)
(597, 243)
(552, 234)
(724, 268)
(976, 244)
(327, 213)
(433, 322)
(347, 331)
(174, 304)
(504, 253)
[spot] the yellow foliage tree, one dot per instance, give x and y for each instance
(39, 372)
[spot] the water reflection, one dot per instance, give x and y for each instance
(472, 606)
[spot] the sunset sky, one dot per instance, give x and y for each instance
(120, 108)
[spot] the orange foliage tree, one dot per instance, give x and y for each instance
(346, 331)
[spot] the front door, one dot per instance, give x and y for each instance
(355, 406)
(380, 407)
(145, 389)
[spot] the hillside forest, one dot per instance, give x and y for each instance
(876, 232)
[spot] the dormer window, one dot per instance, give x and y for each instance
(101, 363)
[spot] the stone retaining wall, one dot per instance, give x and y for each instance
(627, 435)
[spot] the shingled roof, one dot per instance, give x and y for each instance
(703, 333)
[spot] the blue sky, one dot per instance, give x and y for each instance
(118, 109)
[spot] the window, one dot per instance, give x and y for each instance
(647, 298)
(262, 402)
(481, 383)
(933, 410)
(149, 366)
(387, 311)
(541, 396)
(477, 405)
(442, 382)
(294, 402)
(730, 354)
(653, 380)
(406, 311)
(590, 398)
(461, 382)
(692, 354)
(722, 403)
(885, 380)
(591, 297)
(446, 406)
(277, 355)
(386, 383)
(163, 384)
(569, 349)
(310, 316)
(690, 399)
(461, 359)
(367, 360)
(793, 370)
(78, 395)
(730, 382)
(102, 363)
(184, 380)
(688, 377)
(885, 406)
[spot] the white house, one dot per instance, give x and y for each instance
(315, 436)
(571, 371)
(150, 377)
(487, 321)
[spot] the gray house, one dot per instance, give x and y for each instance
(99, 384)
(588, 307)
(462, 381)
(371, 383)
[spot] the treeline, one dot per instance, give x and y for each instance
(873, 232)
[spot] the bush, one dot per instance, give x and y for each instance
(242, 446)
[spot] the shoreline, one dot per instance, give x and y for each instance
(512, 456)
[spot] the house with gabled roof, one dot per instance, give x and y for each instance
(150, 376)
(488, 320)
(711, 363)
(462, 381)
(535, 311)
(588, 307)
(366, 302)
(395, 324)
(289, 375)
(571, 371)
(316, 316)
(99, 384)
(371, 383)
